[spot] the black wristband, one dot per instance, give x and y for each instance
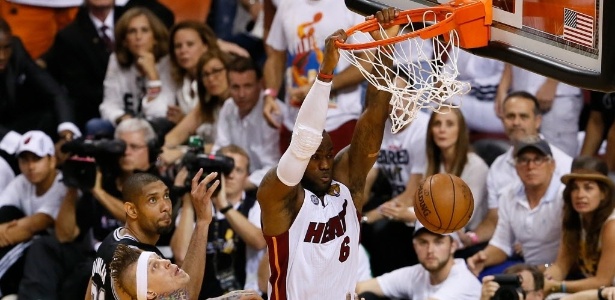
(224, 210)
(600, 297)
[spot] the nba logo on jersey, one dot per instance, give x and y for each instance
(314, 199)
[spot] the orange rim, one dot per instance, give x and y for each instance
(472, 17)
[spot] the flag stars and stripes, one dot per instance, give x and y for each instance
(578, 27)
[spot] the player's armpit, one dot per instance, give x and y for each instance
(279, 203)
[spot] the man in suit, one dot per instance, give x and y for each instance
(79, 56)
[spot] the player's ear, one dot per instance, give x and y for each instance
(130, 209)
(151, 295)
(454, 245)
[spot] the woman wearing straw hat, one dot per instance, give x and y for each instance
(588, 240)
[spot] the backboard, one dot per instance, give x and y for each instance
(567, 40)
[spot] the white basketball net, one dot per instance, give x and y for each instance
(419, 79)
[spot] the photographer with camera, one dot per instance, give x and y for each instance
(92, 208)
(235, 242)
(438, 276)
(520, 281)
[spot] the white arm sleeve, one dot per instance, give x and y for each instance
(307, 134)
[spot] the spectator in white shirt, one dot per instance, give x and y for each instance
(529, 227)
(138, 80)
(522, 119)
(28, 205)
(438, 276)
(241, 121)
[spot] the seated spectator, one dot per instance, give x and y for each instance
(438, 276)
(588, 241)
(600, 126)
(79, 56)
(401, 164)
(522, 120)
(241, 121)
(80, 53)
(189, 41)
(532, 283)
(28, 205)
(138, 80)
(29, 97)
(559, 103)
(99, 210)
(148, 214)
(213, 90)
(534, 205)
(130, 272)
(447, 140)
(236, 244)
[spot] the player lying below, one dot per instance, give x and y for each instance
(144, 275)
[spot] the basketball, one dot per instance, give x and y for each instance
(443, 203)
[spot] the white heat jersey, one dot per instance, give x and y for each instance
(318, 257)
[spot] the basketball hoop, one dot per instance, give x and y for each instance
(425, 58)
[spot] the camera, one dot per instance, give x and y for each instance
(195, 159)
(79, 170)
(510, 287)
(209, 163)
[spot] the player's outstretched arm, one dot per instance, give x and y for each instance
(367, 138)
(280, 195)
(194, 262)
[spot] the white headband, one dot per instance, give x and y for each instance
(142, 275)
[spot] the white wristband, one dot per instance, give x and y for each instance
(153, 84)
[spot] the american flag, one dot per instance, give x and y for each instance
(578, 27)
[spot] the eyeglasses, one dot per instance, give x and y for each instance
(215, 71)
(538, 160)
(134, 147)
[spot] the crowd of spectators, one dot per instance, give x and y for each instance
(118, 87)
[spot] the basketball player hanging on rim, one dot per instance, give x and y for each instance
(311, 201)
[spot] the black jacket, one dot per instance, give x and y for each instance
(26, 89)
(78, 60)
